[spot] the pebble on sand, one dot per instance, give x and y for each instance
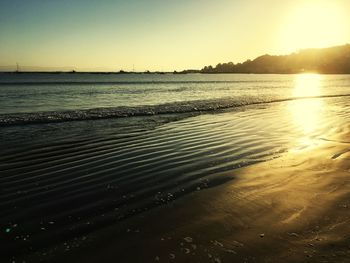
(188, 239)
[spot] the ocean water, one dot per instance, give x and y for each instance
(64, 97)
(79, 152)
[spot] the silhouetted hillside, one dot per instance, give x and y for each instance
(322, 60)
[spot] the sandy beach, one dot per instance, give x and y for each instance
(175, 131)
(292, 209)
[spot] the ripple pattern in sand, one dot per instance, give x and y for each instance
(65, 184)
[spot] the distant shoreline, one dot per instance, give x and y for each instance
(168, 73)
(331, 60)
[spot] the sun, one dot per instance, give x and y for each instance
(314, 24)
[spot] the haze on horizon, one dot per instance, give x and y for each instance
(163, 35)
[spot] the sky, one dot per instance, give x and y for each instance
(164, 35)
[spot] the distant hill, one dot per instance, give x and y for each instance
(332, 60)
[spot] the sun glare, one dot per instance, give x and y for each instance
(307, 85)
(314, 24)
(307, 112)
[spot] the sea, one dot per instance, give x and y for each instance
(80, 151)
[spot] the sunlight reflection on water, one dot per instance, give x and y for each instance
(307, 113)
(307, 85)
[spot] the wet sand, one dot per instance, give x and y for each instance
(292, 209)
(262, 184)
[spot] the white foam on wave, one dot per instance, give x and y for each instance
(128, 111)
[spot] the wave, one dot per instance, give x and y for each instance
(197, 106)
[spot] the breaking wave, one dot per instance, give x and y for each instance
(197, 106)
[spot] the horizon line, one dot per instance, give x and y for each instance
(70, 69)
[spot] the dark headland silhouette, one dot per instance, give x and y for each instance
(331, 60)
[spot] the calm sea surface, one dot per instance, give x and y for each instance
(20, 93)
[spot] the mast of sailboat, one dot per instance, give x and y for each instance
(17, 67)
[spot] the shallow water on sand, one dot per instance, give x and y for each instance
(61, 181)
